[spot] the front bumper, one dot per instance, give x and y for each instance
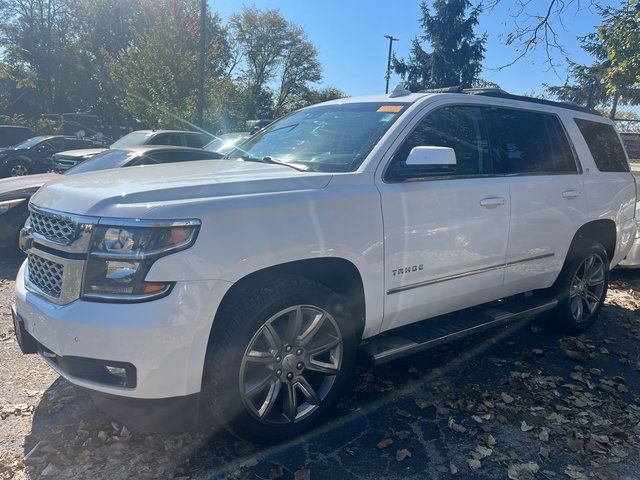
(165, 339)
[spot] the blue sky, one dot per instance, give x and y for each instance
(349, 35)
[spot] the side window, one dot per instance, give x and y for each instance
(458, 127)
(604, 145)
(166, 139)
(194, 141)
(524, 142)
(58, 143)
(171, 157)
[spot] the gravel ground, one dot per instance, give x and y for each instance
(518, 402)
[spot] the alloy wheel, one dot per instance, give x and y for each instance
(290, 365)
(587, 287)
(19, 170)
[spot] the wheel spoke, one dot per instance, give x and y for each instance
(576, 307)
(591, 300)
(263, 358)
(253, 388)
(290, 407)
(323, 346)
(313, 328)
(308, 391)
(295, 325)
(272, 337)
(322, 367)
(270, 400)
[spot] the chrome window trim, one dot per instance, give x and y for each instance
(468, 273)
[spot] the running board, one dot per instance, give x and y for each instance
(429, 333)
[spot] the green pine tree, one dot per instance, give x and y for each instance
(456, 51)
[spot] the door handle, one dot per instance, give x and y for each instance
(492, 202)
(568, 194)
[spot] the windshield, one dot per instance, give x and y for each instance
(329, 138)
(132, 139)
(103, 161)
(224, 145)
(31, 142)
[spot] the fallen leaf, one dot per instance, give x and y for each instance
(506, 398)
(382, 444)
(544, 434)
(544, 452)
(521, 471)
(474, 464)
(403, 413)
(484, 451)
(526, 427)
(576, 445)
(402, 454)
(276, 472)
(422, 403)
(453, 469)
(576, 356)
(302, 474)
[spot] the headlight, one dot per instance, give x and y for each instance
(122, 254)
(9, 204)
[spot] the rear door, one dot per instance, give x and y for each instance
(445, 233)
(548, 204)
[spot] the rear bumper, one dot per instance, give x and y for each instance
(632, 260)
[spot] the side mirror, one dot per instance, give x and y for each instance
(437, 157)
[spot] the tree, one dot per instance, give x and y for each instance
(39, 46)
(157, 74)
(614, 77)
(300, 66)
(277, 62)
(456, 52)
(262, 39)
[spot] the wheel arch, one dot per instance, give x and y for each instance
(336, 273)
(603, 231)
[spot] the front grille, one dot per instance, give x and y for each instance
(46, 275)
(53, 228)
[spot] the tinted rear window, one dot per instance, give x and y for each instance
(526, 142)
(604, 145)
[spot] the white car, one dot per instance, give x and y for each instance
(246, 288)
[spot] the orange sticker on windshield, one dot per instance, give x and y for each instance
(390, 108)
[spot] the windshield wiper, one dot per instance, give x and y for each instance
(274, 161)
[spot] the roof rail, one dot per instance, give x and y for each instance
(499, 93)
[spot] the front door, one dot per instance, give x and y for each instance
(445, 233)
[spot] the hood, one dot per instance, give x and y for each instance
(85, 152)
(135, 190)
(13, 186)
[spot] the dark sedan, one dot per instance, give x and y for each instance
(31, 155)
(16, 192)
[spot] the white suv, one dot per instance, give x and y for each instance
(246, 288)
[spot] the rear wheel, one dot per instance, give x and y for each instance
(279, 358)
(581, 288)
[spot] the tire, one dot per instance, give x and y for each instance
(18, 168)
(252, 343)
(580, 300)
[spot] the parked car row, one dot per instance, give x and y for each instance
(15, 192)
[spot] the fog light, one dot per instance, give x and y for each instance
(117, 371)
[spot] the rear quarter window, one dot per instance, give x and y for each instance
(604, 145)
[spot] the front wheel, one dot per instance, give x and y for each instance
(18, 168)
(280, 356)
(581, 288)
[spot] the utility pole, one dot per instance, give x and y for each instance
(391, 40)
(201, 60)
